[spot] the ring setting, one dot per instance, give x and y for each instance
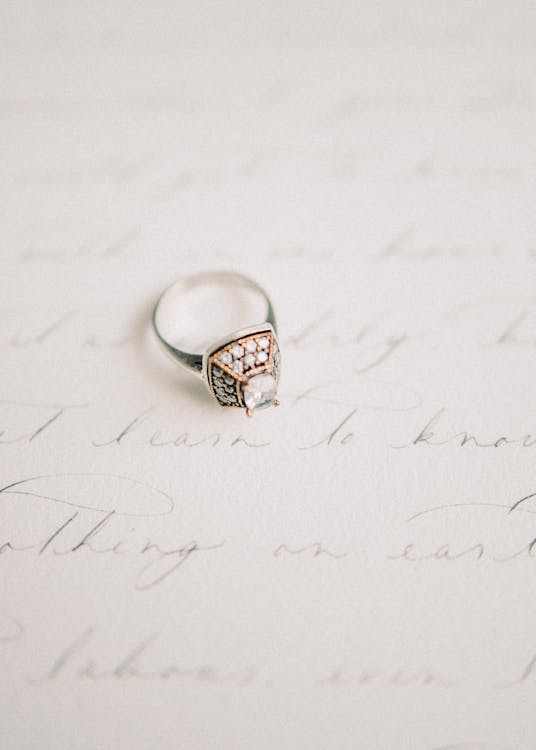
(245, 371)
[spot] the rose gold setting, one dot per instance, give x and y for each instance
(226, 382)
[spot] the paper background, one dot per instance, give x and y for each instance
(373, 166)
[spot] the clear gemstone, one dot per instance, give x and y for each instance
(226, 358)
(262, 357)
(249, 360)
(216, 372)
(238, 366)
(251, 345)
(237, 351)
(260, 391)
(264, 342)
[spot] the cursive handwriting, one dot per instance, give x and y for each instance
(314, 550)
(399, 677)
(493, 548)
(105, 493)
(432, 434)
(134, 664)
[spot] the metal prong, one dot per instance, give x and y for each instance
(249, 412)
(277, 403)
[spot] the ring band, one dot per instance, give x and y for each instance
(240, 368)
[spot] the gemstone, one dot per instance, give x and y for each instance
(260, 391)
(249, 360)
(238, 366)
(264, 342)
(229, 380)
(216, 372)
(237, 351)
(262, 357)
(226, 358)
(251, 345)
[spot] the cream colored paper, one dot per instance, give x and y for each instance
(356, 569)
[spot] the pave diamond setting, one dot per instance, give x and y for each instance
(245, 372)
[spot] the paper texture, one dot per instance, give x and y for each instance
(356, 569)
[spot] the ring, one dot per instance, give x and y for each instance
(192, 318)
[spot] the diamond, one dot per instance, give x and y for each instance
(238, 366)
(251, 345)
(264, 342)
(237, 351)
(260, 391)
(249, 360)
(262, 357)
(226, 358)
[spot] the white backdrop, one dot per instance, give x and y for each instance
(353, 570)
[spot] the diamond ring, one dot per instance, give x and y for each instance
(192, 319)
